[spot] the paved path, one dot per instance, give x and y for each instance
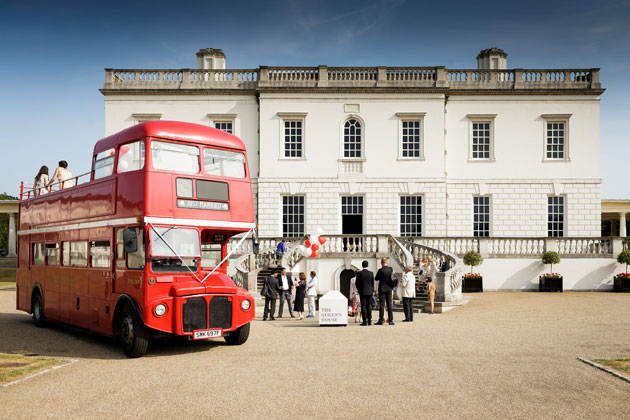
(501, 356)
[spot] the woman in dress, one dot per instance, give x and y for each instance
(355, 298)
(431, 292)
(41, 180)
(298, 303)
(63, 175)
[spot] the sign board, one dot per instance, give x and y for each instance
(333, 309)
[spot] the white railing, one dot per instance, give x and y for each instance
(349, 244)
(516, 246)
(454, 245)
(351, 167)
(584, 246)
(323, 76)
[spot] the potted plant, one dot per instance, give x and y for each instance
(550, 282)
(472, 282)
(621, 283)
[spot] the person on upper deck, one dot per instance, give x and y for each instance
(63, 175)
(41, 181)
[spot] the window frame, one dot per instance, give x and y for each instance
(285, 117)
(361, 143)
(92, 243)
(140, 117)
(410, 117)
(556, 118)
(142, 147)
(474, 233)
(282, 214)
(400, 215)
(562, 233)
(479, 119)
(215, 119)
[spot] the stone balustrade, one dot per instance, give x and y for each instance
(350, 77)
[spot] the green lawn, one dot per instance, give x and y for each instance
(8, 262)
(15, 366)
(620, 365)
(7, 275)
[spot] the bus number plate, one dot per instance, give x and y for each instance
(198, 335)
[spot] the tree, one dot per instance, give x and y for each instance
(624, 258)
(551, 257)
(473, 259)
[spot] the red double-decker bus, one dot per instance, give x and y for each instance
(141, 247)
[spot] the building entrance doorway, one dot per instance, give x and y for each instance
(352, 222)
(344, 283)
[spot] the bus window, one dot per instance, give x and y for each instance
(38, 254)
(169, 244)
(131, 157)
(175, 157)
(104, 164)
(210, 255)
(52, 254)
(135, 260)
(224, 163)
(65, 253)
(78, 254)
(99, 254)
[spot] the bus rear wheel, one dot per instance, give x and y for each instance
(133, 335)
(37, 307)
(238, 336)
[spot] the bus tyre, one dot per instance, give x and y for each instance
(238, 336)
(133, 335)
(38, 310)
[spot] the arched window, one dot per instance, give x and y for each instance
(352, 139)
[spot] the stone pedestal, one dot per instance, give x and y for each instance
(333, 309)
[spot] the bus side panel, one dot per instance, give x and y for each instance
(23, 274)
(78, 302)
(79, 203)
(130, 194)
(54, 211)
(102, 199)
(51, 292)
(64, 298)
(100, 295)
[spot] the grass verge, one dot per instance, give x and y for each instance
(620, 365)
(7, 275)
(15, 366)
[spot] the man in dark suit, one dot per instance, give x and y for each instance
(286, 289)
(365, 288)
(386, 285)
(273, 287)
(443, 264)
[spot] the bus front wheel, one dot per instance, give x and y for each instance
(238, 336)
(133, 335)
(37, 307)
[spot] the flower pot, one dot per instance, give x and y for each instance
(549, 284)
(621, 284)
(472, 284)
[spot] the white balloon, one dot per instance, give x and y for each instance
(307, 252)
(319, 231)
(313, 238)
(301, 249)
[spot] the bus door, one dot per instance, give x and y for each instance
(130, 260)
(100, 277)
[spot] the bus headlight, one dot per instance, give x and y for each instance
(245, 304)
(160, 309)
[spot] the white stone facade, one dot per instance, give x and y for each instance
(516, 105)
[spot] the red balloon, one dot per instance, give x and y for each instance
(314, 254)
(322, 240)
(307, 243)
(314, 247)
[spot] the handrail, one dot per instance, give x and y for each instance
(29, 191)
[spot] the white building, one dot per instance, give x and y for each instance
(419, 151)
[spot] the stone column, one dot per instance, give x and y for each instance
(12, 236)
(622, 225)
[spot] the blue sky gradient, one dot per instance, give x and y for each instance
(52, 56)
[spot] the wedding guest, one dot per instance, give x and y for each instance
(431, 292)
(443, 266)
(41, 181)
(63, 175)
(408, 286)
(300, 290)
(311, 292)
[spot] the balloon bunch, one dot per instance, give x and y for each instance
(312, 244)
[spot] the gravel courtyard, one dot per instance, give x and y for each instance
(502, 356)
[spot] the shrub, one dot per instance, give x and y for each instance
(624, 258)
(473, 259)
(551, 257)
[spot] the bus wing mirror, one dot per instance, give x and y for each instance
(130, 239)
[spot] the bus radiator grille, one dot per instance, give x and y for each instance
(195, 314)
(220, 312)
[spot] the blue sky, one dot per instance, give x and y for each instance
(52, 56)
